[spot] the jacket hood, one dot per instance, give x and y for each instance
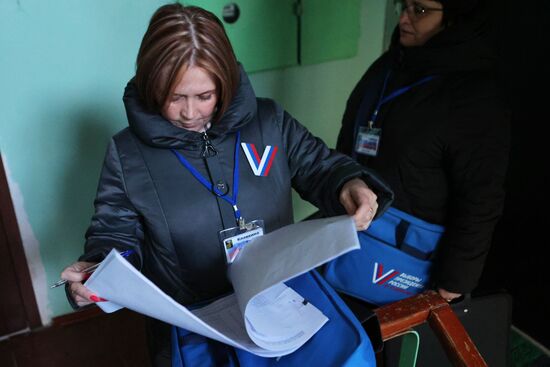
(457, 8)
(464, 45)
(153, 129)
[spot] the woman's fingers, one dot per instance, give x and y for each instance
(75, 274)
(365, 212)
(80, 294)
(447, 295)
(359, 202)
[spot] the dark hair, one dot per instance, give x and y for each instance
(179, 37)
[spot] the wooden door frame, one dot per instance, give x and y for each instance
(15, 246)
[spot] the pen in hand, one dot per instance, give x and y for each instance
(90, 269)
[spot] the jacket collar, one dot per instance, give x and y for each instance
(153, 129)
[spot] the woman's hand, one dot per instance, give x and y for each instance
(448, 296)
(359, 202)
(74, 275)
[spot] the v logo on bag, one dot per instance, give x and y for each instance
(260, 166)
(379, 277)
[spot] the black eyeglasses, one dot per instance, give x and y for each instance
(416, 10)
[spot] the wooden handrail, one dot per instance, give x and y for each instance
(400, 316)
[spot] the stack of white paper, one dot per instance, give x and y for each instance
(263, 315)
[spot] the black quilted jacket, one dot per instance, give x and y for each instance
(444, 144)
(149, 202)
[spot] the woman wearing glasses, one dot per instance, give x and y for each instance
(428, 117)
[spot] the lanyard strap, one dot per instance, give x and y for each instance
(230, 199)
(394, 94)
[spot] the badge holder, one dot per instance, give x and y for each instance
(368, 140)
(234, 239)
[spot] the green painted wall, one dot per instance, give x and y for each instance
(264, 42)
(63, 66)
(316, 95)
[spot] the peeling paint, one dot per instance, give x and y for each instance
(31, 247)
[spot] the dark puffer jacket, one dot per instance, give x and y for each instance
(444, 144)
(147, 201)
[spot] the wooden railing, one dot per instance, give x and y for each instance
(429, 307)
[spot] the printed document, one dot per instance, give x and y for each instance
(263, 315)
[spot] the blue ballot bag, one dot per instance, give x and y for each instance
(394, 261)
(342, 341)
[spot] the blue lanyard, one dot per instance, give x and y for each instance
(393, 95)
(230, 199)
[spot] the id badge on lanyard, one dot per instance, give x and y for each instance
(368, 141)
(232, 239)
(368, 137)
(235, 239)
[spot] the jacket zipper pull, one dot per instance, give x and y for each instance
(208, 149)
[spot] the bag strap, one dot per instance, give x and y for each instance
(400, 233)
